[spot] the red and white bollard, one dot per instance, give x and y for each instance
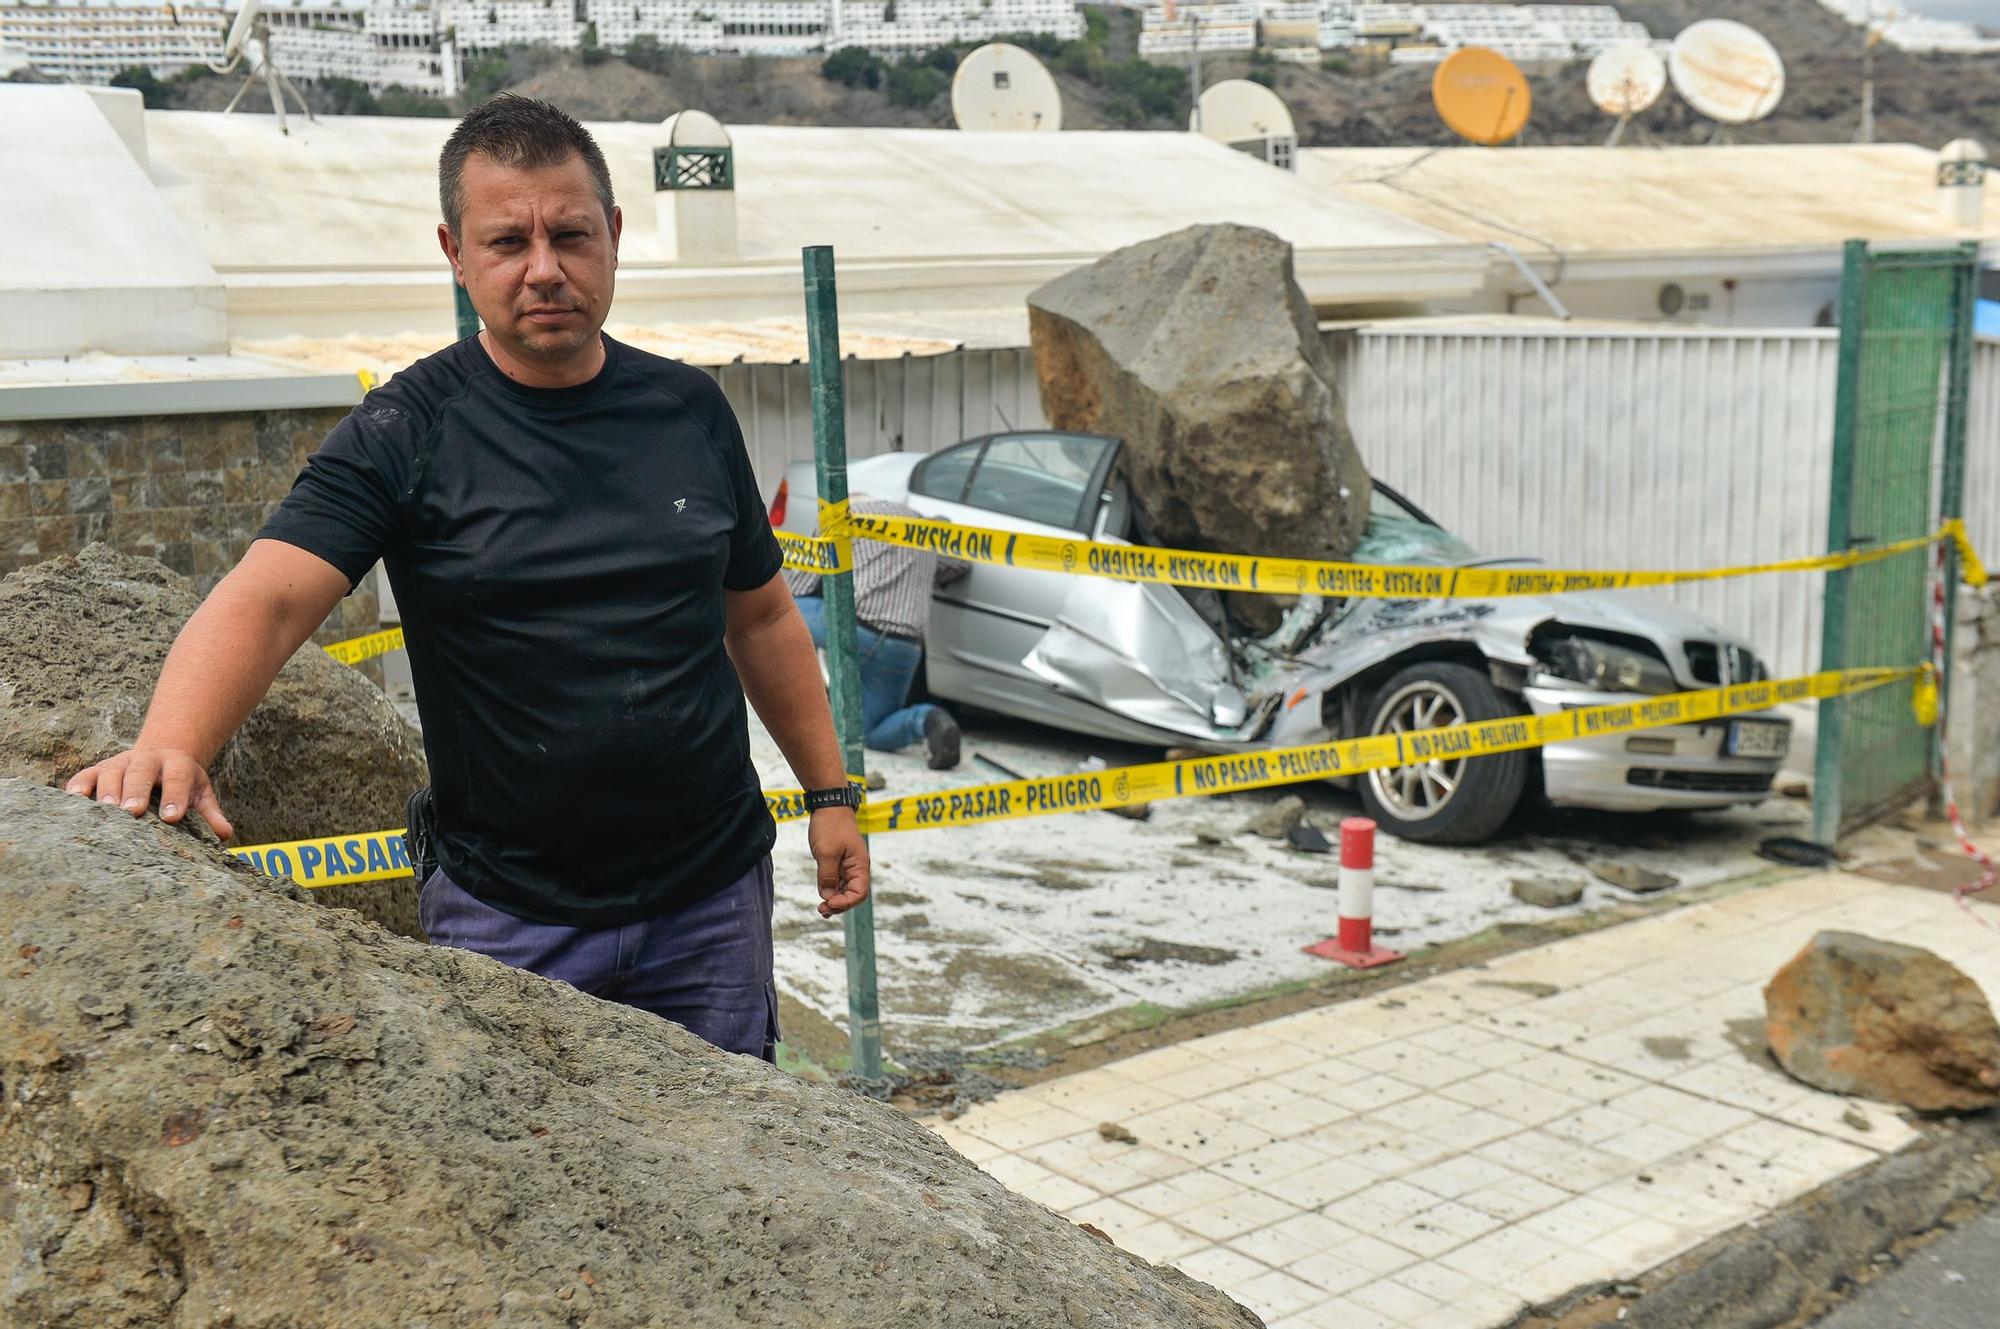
(1354, 944)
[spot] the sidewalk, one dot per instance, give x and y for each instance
(1440, 1155)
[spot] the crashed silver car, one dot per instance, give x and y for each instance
(1166, 665)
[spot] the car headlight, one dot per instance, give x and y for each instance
(1599, 664)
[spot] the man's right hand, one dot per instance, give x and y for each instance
(128, 780)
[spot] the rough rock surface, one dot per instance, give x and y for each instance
(1279, 819)
(225, 1108)
(1632, 877)
(1894, 1023)
(1547, 892)
(81, 644)
(1202, 353)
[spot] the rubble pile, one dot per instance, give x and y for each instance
(224, 1107)
(1200, 351)
(81, 644)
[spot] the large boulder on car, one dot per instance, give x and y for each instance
(82, 640)
(1880, 1020)
(1202, 353)
(227, 1108)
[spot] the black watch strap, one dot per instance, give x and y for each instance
(847, 796)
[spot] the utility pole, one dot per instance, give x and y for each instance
(1194, 67)
(1866, 132)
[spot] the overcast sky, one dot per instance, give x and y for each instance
(1985, 12)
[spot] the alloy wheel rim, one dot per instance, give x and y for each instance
(1423, 789)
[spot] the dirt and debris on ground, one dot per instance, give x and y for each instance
(82, 640)
(227, 1108)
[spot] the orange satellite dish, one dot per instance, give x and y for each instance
(1480, 95)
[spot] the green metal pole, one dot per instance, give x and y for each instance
(468, 317)
(1951, 487)
(843, 658)
(1839, 537)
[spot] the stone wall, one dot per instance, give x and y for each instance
(1973, 740)
(188, 490)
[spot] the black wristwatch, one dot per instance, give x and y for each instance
(847, 796)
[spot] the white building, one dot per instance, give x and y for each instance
(1173, 31)
(380, 44)
(1412, 33)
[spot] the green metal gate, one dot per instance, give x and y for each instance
(1898, 469)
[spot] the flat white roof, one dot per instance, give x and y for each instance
(333, 229)
(1673, 201)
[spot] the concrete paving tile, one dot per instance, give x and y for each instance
(1648, 1143)
(1435, 1281)
(1379, 1205)
(1050, 1123)
(1201, 1081)
(1221, 1266)
(1375, 1255)
(1388, 1297)
(1117, 1219)
(1640, 1244)
(1471, 1129)
(1424, 1237)
(969, 1146)
(1496, 1257)
(1333, 1273)
(1459, 1175)
(1159, 1241)
(1349, 1135)
(1278, 1294)
(1235, 1216)
(1340, 1313)
(1826, 1114)
(1320, 1184)
(1015, 1172)
(1280, 1244)
(1515, 1199)
(1577, 1223)
(1273, 1162)
(1488, 1306)
(1059, 1193)
(1373, 1092)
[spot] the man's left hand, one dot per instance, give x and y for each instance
(842, 856)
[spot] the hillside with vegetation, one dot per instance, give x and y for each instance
(1342, 100)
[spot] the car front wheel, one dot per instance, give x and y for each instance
(1459, 801)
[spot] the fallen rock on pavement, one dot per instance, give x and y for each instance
(1278, 820)
(1200, 351)
(81, 644)
(1632, 877)
(1898, 1024)
(1547, 892)
(227, 1108)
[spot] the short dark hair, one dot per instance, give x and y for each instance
(517, 131)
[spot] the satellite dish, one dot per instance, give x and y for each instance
(1000, 87)
(239, 34)
(1480, 95)
(1623, 81)
(1727, 71)
(1237, 110)
(1250, 118)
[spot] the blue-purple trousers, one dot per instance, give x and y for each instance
(706, 966)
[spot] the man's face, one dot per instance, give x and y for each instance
(537, 255)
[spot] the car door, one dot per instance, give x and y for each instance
(984, 624)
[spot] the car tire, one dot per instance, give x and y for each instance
(1457, 802)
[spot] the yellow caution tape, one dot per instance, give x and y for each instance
(367, 381)
(805, 553)
(348, 860)
(1298, 576)
(356, 649)
(1970, 570)
(379, 854)
(1201, 776)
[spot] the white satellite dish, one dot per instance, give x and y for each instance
(239, 33)
(1248, 117)
(250, 32)
(1001, 88)
(1623, 81)
(1727, 71)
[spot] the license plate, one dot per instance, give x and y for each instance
(1758, 738)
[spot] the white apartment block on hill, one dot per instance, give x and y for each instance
(401, 43)
(1414, 33)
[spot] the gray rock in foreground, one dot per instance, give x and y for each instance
(81, 644)
(224, 1108)
(1547, 892)
(1202, 353)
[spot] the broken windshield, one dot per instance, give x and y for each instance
(1398, 535)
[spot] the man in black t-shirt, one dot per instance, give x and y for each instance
(589, 588)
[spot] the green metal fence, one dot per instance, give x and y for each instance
(1898, 468)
